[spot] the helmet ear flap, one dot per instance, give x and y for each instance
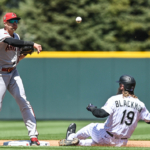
(129, 87)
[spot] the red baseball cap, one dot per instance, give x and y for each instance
(9, 16)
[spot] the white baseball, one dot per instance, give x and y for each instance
(78, 19)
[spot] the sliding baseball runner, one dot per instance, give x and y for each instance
(123, 112)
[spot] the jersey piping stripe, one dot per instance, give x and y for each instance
(87, 54)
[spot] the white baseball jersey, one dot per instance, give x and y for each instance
(12, 82)
(124, 115)
(122, 121)
(8, 54)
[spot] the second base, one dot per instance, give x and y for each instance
(24, 143)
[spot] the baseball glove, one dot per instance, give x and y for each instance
(27, 50)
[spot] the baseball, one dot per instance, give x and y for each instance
(78, 19)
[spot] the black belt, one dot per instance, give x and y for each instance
(113, 135)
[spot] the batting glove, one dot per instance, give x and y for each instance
(90, 107)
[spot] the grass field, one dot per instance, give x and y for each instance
(56, 130)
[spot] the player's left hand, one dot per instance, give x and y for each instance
(90, 107)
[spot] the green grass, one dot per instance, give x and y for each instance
(56, 130)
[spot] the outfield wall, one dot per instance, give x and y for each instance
(59, 85)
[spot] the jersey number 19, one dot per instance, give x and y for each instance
(130, 117)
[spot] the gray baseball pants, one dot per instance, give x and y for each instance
(13, 83)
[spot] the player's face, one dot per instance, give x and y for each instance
(11, 26)
(121, 87)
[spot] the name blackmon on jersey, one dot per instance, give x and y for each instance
(127, 103)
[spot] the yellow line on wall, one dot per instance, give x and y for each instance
(89, 54)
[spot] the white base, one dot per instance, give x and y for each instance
(24, 143)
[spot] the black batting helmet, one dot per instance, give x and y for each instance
(128, 82)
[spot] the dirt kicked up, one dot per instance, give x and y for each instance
(129, 144)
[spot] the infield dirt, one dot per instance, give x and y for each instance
(130, 143)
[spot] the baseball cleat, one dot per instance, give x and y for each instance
(71, 129)
(65, 142)
(34, 142)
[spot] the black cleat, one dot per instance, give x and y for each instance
(71, 129)
(34, 142)
(65, 142)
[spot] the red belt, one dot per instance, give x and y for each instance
(8, 69)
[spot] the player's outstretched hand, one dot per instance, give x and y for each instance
(38, 47)
(90, 107)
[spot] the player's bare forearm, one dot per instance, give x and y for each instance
(21, 57)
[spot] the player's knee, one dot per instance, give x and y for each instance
(19, 97)
(91, 124)
(24, 104)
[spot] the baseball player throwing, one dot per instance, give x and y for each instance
(123, 111)
(10, 54)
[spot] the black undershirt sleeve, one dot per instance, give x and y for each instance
(99, 113)
(17, 43)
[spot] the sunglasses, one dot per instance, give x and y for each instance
(13, 21)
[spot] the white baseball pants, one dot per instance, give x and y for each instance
(98, 136)
(13, 83)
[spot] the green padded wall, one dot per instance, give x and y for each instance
(61, 88)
